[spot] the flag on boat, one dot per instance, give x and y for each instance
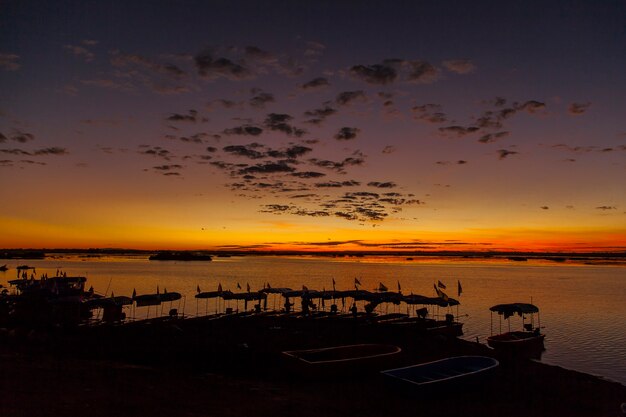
(268, 286)
(460, 289)
(382, 287)
(356, 281)
(334, 284)
(134, 294)
(157, 289)
(441, 285)
(247, 287)
(219, 287)
(238, 286)
(198, 289)
(304, 288)
(399, 287)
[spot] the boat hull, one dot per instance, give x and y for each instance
(518, 344)
(458, 370)
(342, 360)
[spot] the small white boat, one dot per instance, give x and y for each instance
(455, 369)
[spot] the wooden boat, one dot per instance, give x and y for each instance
(527, 342)
(339, 359)
(444, 371)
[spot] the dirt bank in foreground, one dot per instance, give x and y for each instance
(40, 384)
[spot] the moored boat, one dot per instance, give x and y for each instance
(444, 371)
(348, 358)
(528, 342)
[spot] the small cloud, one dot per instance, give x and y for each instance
(430, 113)
(377, 184)
(388, 149)
(348, 97)
(347, 133)
(459, 131)
(80, 51)
(337, 184)
(261, 99)
(374, 74)
(9, 62)
(545, 208)
(576, 109)
(192, 116)
(504, 153)
(245, 151)
(459, 66)
(604, 208)
(244, 130)
(279, 122)
(315, 84)
(493, 137)
(212, 67)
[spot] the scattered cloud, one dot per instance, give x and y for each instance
(577, 109)
(504, 153)
(347, 133)
(459, 66)
(9, 62)
(80, 51)
(315, 84)
(348, 97)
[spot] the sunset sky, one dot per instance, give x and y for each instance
(324, 125)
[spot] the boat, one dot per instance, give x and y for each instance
(528, 342)
(4, 267)
(444, 371)
(339, 359)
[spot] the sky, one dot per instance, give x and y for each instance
(313, 125)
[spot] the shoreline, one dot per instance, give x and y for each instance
(235, 368)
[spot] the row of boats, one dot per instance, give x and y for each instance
(64, 300)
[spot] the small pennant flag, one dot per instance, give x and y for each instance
(134, 294)
(219, 287)
(268, 286)
(304, 288)
(198, 289)
(460, 289)
(441, 285)
(356, 281)
(382, 287)
(247, 287)
(437, 290)
(157, 289)
(399, 287)
(238, 286)
(334, 284)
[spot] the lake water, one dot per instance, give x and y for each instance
(583, 307)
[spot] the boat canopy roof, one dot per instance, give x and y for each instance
(119, 300)
(209, 294)
(515, 308)
(270, 290)
(246, 296)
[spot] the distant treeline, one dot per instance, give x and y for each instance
(41, 253)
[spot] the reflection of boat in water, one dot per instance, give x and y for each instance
(527, 342)
(444, 371)
(180, 256)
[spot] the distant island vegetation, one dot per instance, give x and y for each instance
(41, 253)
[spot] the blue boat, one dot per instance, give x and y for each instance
(449, 370)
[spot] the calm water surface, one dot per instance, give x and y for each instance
(582, 307)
